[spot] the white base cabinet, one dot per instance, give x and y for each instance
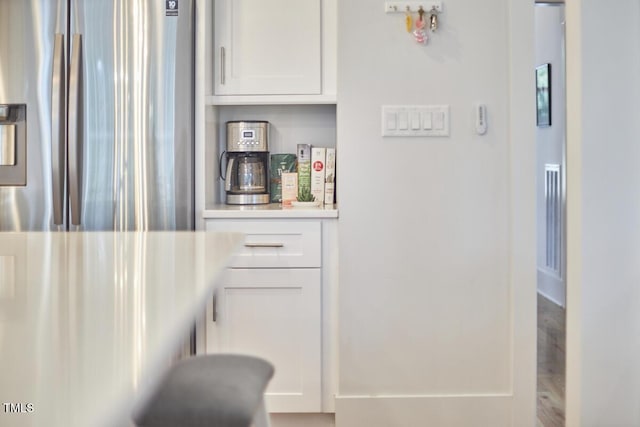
(275, 302)
(274, 314)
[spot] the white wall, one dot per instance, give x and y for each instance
(437, 243)
(603, 283)
(549, 34)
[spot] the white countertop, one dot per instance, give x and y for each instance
(272, 210)
(89, 321)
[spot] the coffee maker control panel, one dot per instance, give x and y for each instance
(243, 136)
(248, 138)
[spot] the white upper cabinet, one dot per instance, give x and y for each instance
(268, 47)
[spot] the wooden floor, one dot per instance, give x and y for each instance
(551, 363)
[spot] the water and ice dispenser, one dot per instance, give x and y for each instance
(13, 145)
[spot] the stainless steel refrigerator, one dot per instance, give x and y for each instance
(96, 115)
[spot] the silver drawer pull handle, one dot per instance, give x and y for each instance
(264, 245)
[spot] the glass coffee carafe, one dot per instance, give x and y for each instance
(248, 175)
(246, 180)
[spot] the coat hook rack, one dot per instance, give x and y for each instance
(412, 6)
(425, 24)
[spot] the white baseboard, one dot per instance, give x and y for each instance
(302, 420)
(441, 411)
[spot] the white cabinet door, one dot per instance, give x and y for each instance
(274, 314)
(267, 47)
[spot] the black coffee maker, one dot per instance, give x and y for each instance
(247, 176)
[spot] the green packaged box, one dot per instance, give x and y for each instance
(279, 163)
(304, 169)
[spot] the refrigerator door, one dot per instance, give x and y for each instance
(27, 31)
(134, 115)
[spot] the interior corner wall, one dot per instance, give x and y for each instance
(425, 315)
(550, 141)
(603, 316)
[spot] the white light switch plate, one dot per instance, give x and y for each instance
(415, 120)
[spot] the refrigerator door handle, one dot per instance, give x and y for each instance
(76, 109)
(58, 127)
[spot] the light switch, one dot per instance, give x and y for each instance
(415, 120)
(391, 120)
(438, 120)
(403, 120)
(426, 120)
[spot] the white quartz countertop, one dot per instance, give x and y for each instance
(89, 321)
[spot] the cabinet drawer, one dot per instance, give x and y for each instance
(275, 244)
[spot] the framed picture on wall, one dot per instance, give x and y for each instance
(543, 95)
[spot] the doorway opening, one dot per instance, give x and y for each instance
(550, 215)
